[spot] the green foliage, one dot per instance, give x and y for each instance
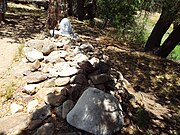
(120, 13)
(175, 54)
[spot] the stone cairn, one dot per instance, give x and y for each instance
(65, 82)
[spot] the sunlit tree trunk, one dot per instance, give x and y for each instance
(170, 43)
(162, 25)
(169, 13)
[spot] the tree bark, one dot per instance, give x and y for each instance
(80, 9)
(70, 7)
(170, 43)
(170, 10)
(159, 30)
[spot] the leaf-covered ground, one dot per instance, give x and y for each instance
(154, 82)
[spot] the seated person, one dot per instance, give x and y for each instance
(64, 29)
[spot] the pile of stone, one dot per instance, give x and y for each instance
(64, 79)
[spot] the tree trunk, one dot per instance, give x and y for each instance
(70, 7)
(170, 10)
(80, 9)
(159, 30)
(170, 43)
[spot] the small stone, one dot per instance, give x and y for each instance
(32, 105)
(35, 77)
(100, 78)
(48, 83)
(58, 111)
(42, 113)
(76, 91)
(68, 71)
(94, 61)
(68, 133)
(45, 67)
(30, 88)
(67, 106)
(36, 44)
(56, 56)
(42, 93)
(34, 124)
(55, 100)
(46, 129)
(48, 48)
(34, 55)
(86, 66)
(80, 57)
(62, 81)
(79, 79)
(35, 66)
(15, 108)
(87, 47)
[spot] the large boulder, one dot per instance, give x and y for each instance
(96, 112)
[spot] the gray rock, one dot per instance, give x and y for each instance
(45, 67)
(35, 66)
(30, 88)
(36, 44)
(15, 108)
(67, 106)
(34, 55)
(34, 124)
(94, 61)
(58, 111)
(43, 92)
(42, 113)
(49, 47)
(79, 79)
(56, 56)
(46, 129)
(62, 81)
(100, 78)
(48, 83)
(68, 133)
(96, 112)
(55, 100)
(87, 47)
(68, 71)
(32, 105)
(80, 57)
(86, 66)
(35, 77)
(14, 124)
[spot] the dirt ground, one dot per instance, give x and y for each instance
(8, 51)
(155, 81)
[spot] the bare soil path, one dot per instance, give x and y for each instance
(8, 51)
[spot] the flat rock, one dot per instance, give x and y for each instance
(56, 56)
(46, 129)
(54, 100)
(34, 55)
(35, 77)
(16, 108)
(13, 124)
(100, 78)
(62, 81)
(96, 112)
(68, 71)
(42, 113)
(43, 92)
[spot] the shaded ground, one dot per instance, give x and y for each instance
(154, 82)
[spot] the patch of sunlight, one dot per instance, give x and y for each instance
(22, 6)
